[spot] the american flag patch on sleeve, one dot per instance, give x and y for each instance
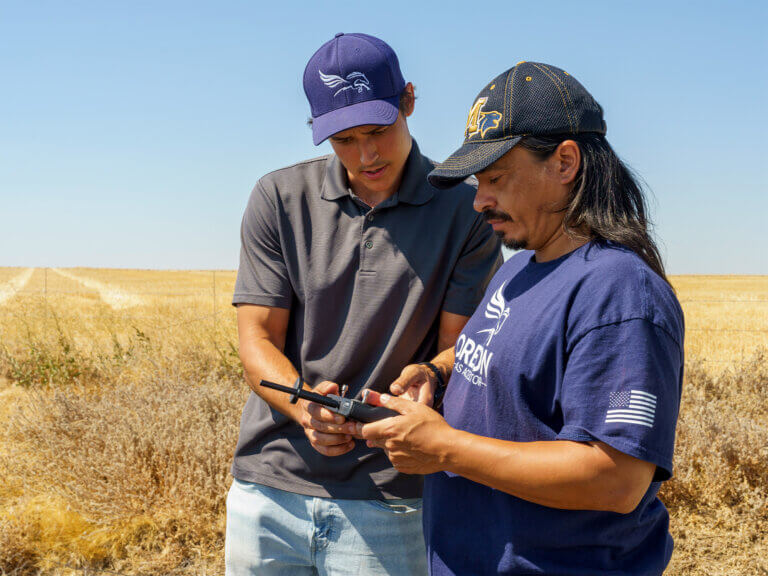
(631, 407)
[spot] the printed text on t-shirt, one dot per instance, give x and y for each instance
(472, 360)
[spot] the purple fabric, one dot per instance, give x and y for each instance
(352, 80)
(587, 347)
(381, 112)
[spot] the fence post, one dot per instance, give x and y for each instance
(45, 293)
(214, 306)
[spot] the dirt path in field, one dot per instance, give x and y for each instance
(113, 296)
(8, 289)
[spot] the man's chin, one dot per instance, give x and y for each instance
(512, 244)
(383, 185)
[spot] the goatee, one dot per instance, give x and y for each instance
(512, 244)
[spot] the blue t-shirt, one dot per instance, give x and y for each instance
(588, 347)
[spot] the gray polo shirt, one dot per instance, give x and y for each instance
(365, 287)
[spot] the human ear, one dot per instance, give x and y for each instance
(568, 156)
(411, 100)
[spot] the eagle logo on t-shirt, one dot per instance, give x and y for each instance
(496, 309)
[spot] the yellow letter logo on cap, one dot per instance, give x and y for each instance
(479, 122)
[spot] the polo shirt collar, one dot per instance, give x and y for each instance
(414, 188)
(335, 181)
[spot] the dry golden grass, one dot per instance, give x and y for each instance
(119, 420)
(120, 398)
(726, 317)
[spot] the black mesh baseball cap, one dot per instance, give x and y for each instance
(529, 99)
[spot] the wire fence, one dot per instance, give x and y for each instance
(91, 289)
(122, 295)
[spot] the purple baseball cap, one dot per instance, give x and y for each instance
(352, 80)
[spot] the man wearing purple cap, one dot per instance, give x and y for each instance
(352, 267)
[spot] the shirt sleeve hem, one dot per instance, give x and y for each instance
(261, 300)
(460, 308)
(579, 434)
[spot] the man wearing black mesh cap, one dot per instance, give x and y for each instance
(560, 412)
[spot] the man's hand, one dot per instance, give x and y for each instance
(417, 383)
(412, 441)
(328, 432)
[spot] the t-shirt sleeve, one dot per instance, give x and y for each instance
(478, 262)
(262, 277)
(622, 386)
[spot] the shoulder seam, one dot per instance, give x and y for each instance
(297, 164)
(266, 195)
(622, 321)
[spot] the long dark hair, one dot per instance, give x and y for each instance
(607, 202)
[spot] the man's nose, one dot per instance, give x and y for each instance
(368, 152)
(483, 199)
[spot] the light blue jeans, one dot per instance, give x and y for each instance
(271, 532)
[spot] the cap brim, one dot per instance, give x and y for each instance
(380, 112)
(471, 158)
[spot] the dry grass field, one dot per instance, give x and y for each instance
(120, 397)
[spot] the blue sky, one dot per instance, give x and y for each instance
(131, 133)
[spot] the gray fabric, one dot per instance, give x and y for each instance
(365, 288)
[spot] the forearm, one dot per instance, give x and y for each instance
(262, 332)
(262, 360)
(558, 474)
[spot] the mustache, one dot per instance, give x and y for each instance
(496, 215)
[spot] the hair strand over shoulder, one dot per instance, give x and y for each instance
(607, 202)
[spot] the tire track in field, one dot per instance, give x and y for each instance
(15, 284)
(116, 298)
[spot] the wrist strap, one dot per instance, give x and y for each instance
(297, 386)
(440, 390)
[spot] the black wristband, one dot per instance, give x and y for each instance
(297, 386)
(437, 398)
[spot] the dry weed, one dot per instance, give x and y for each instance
(118, 428)
(718, 498)
(131, 475)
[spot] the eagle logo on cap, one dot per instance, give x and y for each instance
(479, 122)
(354, 81)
